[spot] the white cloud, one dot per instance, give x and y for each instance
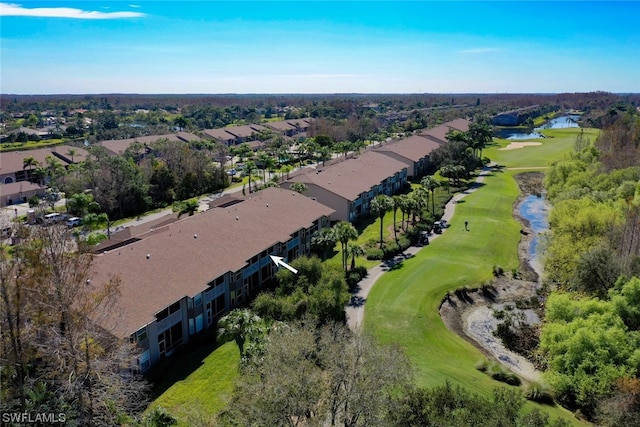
(480, 50)
(7, 9)
(135, 5)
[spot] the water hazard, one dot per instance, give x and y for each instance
(535, 209)
(570, 121)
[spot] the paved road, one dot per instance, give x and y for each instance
(355, 309)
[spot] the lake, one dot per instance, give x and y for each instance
(570, 121)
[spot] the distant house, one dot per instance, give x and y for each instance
(349, 186)
(19, 192)
(439, 133)
(12, 162)
(515, 117)
(117, 147)
(234, 135)
(413, 151)
(178, 279)
(291, 127)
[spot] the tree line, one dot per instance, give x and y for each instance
(591, 336)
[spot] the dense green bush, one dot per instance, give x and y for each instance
(374, 254)
(539, 392)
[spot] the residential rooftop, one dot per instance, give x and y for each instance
(181, 258)
(12, 161)
(353, 176)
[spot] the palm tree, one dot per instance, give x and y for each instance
(323, 241)
(448, 172)
(72, 152)
(249, 168)
(344, 233)
(480, 134)
(405, 208)
(39, 173)
(380, 205)
(263, 159)
(396, 205)
(55, 167)
(30, 162)
(354, 250)
(240, 325)
(418, 202)
(324, 153)
(430, 183)
(299, 187)
(189, 207)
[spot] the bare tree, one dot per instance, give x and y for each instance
(51, 312)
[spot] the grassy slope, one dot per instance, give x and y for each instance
(403, 305)
(204, 390)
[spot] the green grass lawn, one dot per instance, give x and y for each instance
(403, 305)
(30, 145)
(202, 392)
(557, 143)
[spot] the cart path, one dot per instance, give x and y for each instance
(355, 308)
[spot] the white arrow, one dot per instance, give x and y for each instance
(279, 262)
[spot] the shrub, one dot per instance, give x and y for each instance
(498, 271)
(352, 279)
(482, 365)
(361, 270)
(539, 392)
(404, 243)
(374, 254)
(498, 314)
(495, 371)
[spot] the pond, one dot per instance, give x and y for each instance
(570, 121)
(535, 209)
(561, 122)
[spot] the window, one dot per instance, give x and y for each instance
(170, 339)
(173, 308)
(199, 322)
(143, 361)
(197, 300)
(142, 334)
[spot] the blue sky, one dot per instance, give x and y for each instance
(318, 47)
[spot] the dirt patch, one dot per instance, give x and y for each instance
(516, 145)
(470, 315)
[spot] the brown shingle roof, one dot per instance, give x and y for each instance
(281, 126)
(12, 161)
(18, 187)
(439, 133)
(352, 177)
(245, 131)
(118, 146)
(413, 148)
(219, 134)
(181, 264)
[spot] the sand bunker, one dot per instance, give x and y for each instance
(516, 145)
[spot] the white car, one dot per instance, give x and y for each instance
(73, 222)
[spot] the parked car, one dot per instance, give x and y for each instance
(73, 222)
(52, 218)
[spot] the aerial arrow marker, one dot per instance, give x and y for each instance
(279, 262)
